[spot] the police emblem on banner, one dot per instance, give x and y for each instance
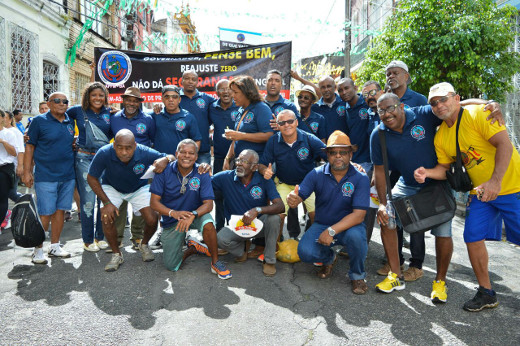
(139, 168)
(71, 129)
(347, 189)
(341, 111)
(256, 192)
(201, 103)
(418, 132)
(363, 113)
(180, 125)
(140, 128)
(249, 117)
(303, 153)
(194, 183)
(114, 68)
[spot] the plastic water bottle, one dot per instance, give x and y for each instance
(390, 211)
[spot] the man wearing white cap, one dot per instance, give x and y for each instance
(493, 166)
(398, 78)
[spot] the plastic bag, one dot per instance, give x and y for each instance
(288, 251)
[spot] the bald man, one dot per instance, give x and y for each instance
(50, 145)
(122, 164)
(331, 106)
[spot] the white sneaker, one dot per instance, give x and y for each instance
(55, 250)
(115, 261)
(102, 244)
(155, 242)
(92, 247)
(38, 257)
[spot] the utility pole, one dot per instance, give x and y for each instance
(348, 27)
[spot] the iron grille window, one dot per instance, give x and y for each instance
(50, 79)
(81, 81)
(22, 68)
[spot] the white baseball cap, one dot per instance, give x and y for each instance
(440, 89)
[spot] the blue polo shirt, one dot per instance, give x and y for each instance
(198, 105)
(222, 119)
(358, 123)
(239, 198)
(334, 115)
(314, 124)
(142, 126)
(411, 149)
(293, 162)
(125, 178)
(413, 99)
(101, 120)
(53, 155)
(168, 185)
(256, 120)
(170, 129)
(336, 200)
(281, 104)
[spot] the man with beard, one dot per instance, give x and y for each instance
(342, 198)
(245, 192)
(197, 103)
(331, 106)
(398, 78)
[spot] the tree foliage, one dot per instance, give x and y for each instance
(464, 42)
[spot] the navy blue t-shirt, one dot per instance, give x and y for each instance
(293, 162)
(53, 155)
(411, 149)
(239, 198)
(142, 126)
(198, 105)
(168, 185)
(334, 116)
(125, 178)
(256, 120)
(170, 129)
(314, 124)
(413, 99)
(222, 119)
(101, 120)
(282, 104)
(358, 122)
(336, 200)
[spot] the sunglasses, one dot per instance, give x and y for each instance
(441, 100)
(58, 101)
(224, 90)
(308, 98)
(336, 152)
(183, 185)
(372, 92)
(244, 162)
(390, 109)
(170, 97)
(282, 123)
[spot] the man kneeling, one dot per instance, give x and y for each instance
(184, 198)
(342, 198)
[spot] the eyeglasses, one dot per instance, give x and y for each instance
(372, 92)
(244, 162)
(223, 90)
(336, 152)
(390, 109)
(170, 97)
(58, 101)
(283, 122)
(441, 100)
(308, 98)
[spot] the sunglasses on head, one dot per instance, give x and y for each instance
(283, 122)
(58, 101)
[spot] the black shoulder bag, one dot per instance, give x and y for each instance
(457, 175)
(432, 206)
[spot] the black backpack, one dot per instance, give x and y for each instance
(25, 223)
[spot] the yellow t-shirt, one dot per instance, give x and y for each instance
(478, 155)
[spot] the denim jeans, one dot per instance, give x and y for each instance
(354, 239)
(87, 199)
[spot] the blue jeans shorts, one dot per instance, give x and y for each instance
(52, 196)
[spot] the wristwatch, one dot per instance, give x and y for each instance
(258, 210)
(194, 212)
(332, 232)
(169, 159)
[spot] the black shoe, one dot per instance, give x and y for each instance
(480, 301)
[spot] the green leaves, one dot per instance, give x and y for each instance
(464, 42)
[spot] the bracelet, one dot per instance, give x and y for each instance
(107, 203)
(170, 213)
(229, 157)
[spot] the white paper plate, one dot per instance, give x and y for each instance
(237, 226)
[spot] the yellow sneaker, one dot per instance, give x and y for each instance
(391, 283)
(439, 292)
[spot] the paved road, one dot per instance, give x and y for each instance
(73, 301)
